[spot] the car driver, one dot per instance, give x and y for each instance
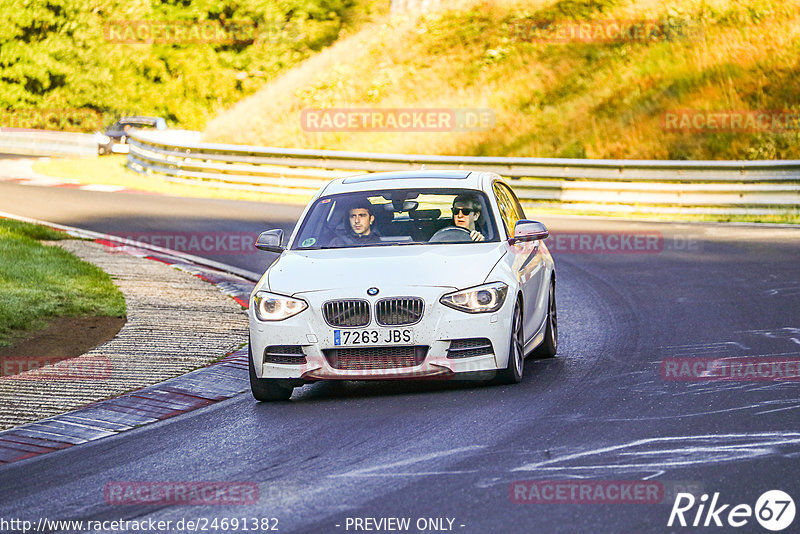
(467, 210)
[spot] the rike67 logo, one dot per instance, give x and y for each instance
(774, 510)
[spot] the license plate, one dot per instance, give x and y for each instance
(385, 336)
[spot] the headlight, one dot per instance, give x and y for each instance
(272, 307)
(101, 139)
(480, 299)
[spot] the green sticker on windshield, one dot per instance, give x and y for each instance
(308, 242)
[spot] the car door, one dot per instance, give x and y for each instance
(527, 262)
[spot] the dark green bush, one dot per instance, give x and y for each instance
(59, 56)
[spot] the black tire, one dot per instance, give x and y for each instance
(512, 374)
(549, 345)
(267, 389)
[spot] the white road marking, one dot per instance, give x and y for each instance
(776, 333)
(685, 451)
(41, 182)
(719, 344)
(696, 414)
(779, 410)
(783, 291)
(654, 475)
(366, 472)
(103, 188)
(702, 348)
(405, 474)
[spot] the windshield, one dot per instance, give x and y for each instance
(140, 122)
(397, 217)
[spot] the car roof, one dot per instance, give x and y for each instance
(139, 120)
(444, 179)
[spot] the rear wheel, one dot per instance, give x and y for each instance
(549, 346)
(512, 374)
(267, 389)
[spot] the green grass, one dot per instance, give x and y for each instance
(39, 282)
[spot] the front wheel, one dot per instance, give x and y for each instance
(512, 374)
(267, 389)
(549, 346)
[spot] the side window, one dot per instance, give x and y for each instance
(510, 210)
(517, 205)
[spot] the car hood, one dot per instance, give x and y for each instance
(457, 266)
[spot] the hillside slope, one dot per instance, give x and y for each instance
(590, 98)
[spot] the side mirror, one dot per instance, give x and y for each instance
(271, 241)
(526, 230)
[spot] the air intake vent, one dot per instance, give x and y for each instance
(346, 313)
(397, 311)
(361, 359)
(285, 354)
(464, 348)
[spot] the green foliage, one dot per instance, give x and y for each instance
(38, 282)
(605, 99)
(574, 150)
(574, 10)
(64, 55)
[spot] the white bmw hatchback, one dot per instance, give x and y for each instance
(423, 274)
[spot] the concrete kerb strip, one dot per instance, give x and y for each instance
(202, 387)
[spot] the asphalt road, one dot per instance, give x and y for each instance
(600, 413)
(172, 222)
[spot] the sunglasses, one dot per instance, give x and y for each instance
(465, 211)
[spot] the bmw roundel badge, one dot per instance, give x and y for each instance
(372, 291)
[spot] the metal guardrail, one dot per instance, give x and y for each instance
(46, 143)
(726, 187)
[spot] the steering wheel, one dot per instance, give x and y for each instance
(451, 234)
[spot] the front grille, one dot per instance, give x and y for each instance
(398, 311)
(368, 358)
(286, 354)
(354, 312)
(464, 348)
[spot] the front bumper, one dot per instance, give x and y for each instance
(438, 327)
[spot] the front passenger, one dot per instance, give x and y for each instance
(359, 229)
